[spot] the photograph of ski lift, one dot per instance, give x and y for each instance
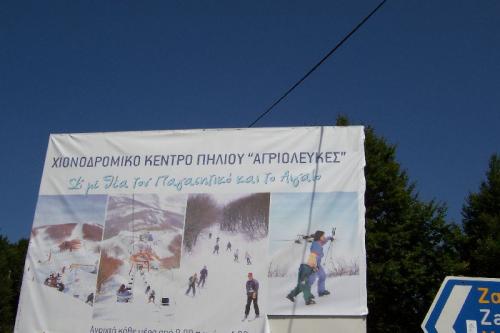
(141, 248)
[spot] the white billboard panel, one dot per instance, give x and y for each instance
(196, 230)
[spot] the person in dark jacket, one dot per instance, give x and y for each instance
(252, 289)
(122, 290)
(203, 276)
(151, 297)
(216, 249)
(192, 284)
(90, 299)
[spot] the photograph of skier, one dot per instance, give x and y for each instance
(203, 276)
(316, 247)
(192, 284)
(238, 223)
(236, 254)
(151, 298)
(319, 240)
(306, 271)
(141, 250)
(248, 258)
(252, 289)
(90, 299)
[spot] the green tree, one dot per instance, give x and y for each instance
(410, 247)
(17, 258)
(481, 222)
(11, 265)
(202, 211)
(6, 288)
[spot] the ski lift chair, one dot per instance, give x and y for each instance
(124, 297)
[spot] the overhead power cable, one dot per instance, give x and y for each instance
(339, 44)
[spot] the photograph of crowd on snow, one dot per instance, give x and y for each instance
(64, 248)
(224, 259)
(140, 250)
(316, 254)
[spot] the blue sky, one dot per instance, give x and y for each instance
(60, 209)
(424, 74)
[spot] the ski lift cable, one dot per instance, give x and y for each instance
(315, 67)
(133, 220)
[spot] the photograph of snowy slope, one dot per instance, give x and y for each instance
(65, 241)
(140, 250)
(225, 239)
(316, 255)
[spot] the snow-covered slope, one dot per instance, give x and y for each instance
(224, 290)
(141, 235)
(67, 252)
(343, 281)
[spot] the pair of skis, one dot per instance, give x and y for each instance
(250, 319)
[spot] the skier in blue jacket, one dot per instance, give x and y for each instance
(319, 240)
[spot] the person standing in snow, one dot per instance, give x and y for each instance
(247, 257)
(236, 253)
(228, 247)
(192, 284)
(319, 240)
(216, 249)
(209, 235)
(217, 239)
(203, 276)
(90, 299)
(303, 286)
(252, 289)
(151, 297)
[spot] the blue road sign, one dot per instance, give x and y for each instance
(465, 305)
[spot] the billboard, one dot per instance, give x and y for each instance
(196, 230)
